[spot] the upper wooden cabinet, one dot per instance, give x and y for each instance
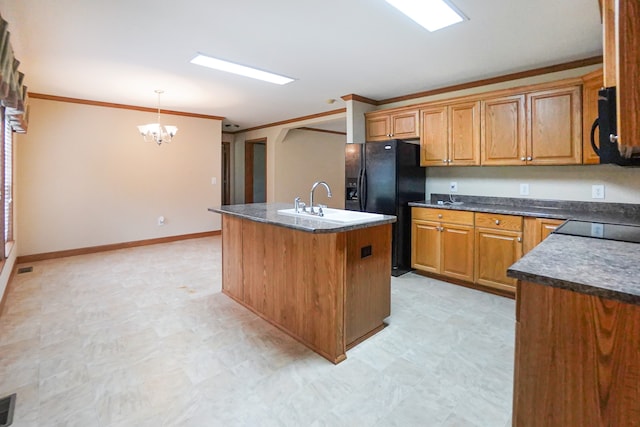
(450, 135)
(503, 131)
(592, 83)
(382, 126)
(554, 126)
(627, 57)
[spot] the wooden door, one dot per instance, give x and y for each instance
(495, 252)
(457, 251)
(592, 84)
(433, 138)
(405, 125)
(378, 128)
(503, 131)
(554, 127)
(425, 246)
(255, 171)
(464, 134)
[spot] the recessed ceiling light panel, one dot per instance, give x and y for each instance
(230, 67)
(431, 14)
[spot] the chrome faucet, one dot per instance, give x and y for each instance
(315, 184)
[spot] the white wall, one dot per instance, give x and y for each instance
(622, 185)
(274, 136)
(305, 157)
(88, 179)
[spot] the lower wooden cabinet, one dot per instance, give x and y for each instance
(536, 230)
(576, 359)
(442, 247)
(474, 247)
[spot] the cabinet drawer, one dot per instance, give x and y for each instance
(498, 221)
(443, 215)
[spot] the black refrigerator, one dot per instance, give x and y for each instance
(383, 177)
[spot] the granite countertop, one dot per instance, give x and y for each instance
(604, 268)
(268, 214)
(617, 213)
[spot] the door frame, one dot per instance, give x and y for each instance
(225, 196)
(248, 168)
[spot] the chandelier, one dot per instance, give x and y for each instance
(156, 132)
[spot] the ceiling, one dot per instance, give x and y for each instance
(120, 51)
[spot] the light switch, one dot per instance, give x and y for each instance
(214, 180)
(524, 189)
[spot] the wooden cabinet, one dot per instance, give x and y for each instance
(503, 131)
(592, 83)
(317, 287)
(382, 126)
(576, 359)
(434, 136)
(554, 126)
(621, 19)
(450, 135)
(498, 244)
(442, 242)
(536, 230)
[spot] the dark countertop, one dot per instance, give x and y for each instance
(604, 268)
(616, 213)
(268, 214)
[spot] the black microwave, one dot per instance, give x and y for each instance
(607, 122)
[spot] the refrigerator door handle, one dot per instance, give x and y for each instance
(364, 191)
(359, 189)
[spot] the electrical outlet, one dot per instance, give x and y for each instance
(453, 187)
(524, 189)
(160, 220)
(214, 181)
(597, 191)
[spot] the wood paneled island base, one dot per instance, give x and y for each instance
(327, 290)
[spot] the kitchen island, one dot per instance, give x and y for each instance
(577, 360)
(326, 284)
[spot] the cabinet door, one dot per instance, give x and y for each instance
(232, 284)
(495, 251)
(425, 246)
(433, 138)
(464, 134)
(378, 128)
(592, 84)
(457, 251)
(503, 131)
(405, 125)
(536, 230)
(554, 127)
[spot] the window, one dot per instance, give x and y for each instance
(6, 175)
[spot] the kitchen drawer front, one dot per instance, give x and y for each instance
(499, 222)
(443, 215)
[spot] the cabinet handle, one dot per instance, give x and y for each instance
(519, 239)
(523, 158)
(529, 158)
(497, 222)
(444, 160)
(439, 215)
(613, 138)
(449, 161)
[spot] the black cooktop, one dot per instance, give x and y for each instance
(598, 230)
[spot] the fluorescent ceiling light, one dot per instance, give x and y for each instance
(431, 14)
(230, 67)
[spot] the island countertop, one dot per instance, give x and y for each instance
(603, 268)
(268, 213)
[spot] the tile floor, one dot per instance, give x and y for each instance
(143, 337)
